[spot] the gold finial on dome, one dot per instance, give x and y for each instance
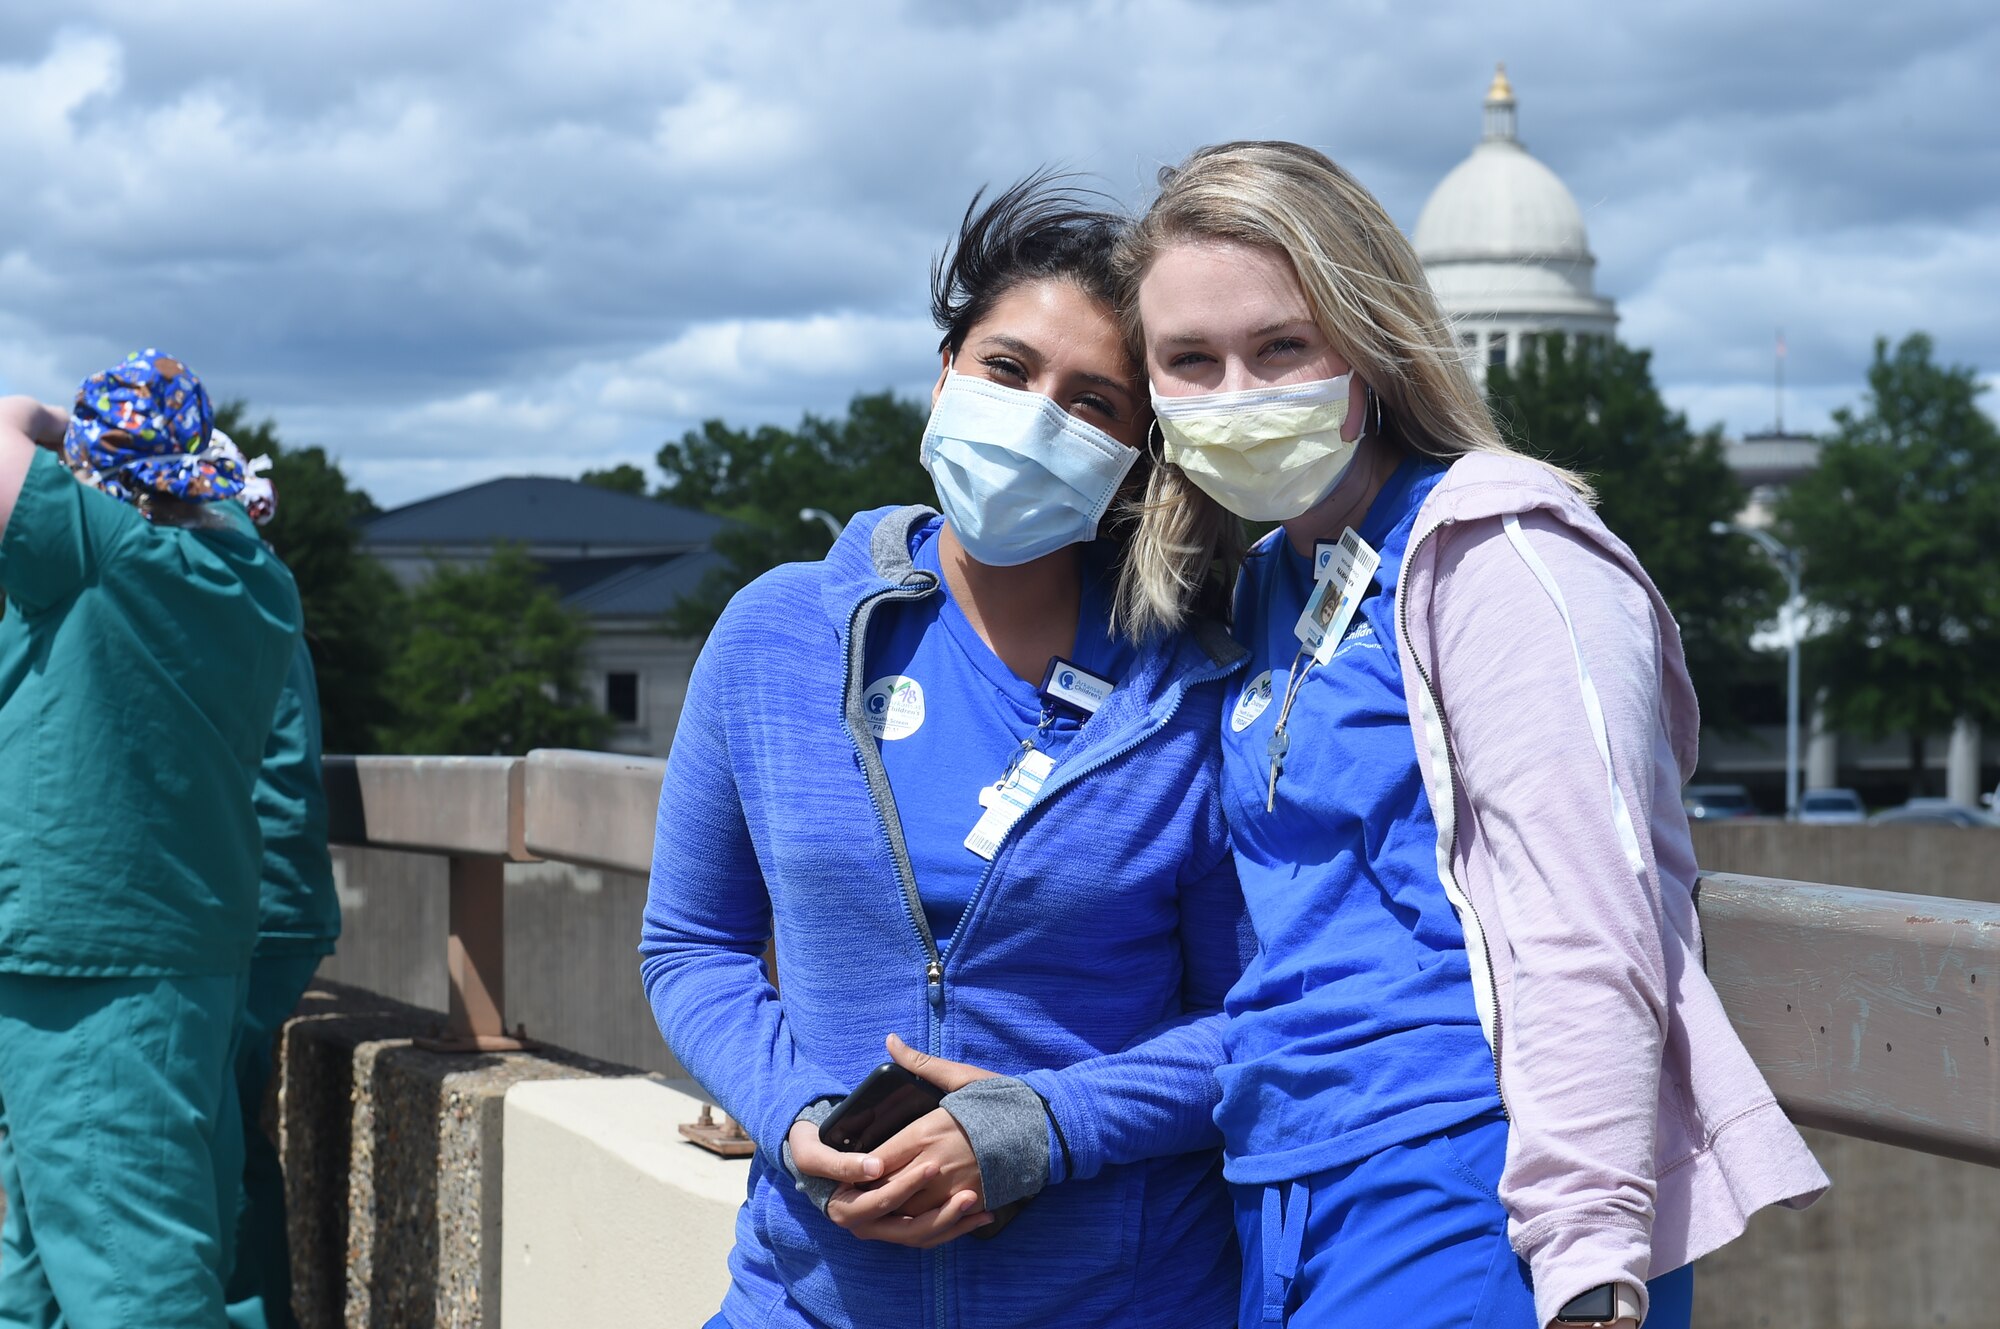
(1500, 108)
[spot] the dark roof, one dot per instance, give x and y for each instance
(542, 510)
(647, 588)
(573, 576)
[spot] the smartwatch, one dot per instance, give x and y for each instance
(1603, 1304)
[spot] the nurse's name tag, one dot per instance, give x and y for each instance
(1005, 802)
(1350, 567)
(1072, 688)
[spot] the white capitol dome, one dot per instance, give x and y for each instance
(1504, 245)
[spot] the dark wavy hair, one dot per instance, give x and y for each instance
(1038, 229)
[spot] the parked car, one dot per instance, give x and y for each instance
(1717, 802)
(1932, 812)
(1832, 807)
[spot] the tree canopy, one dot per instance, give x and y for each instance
(353, 607)
(1899, 529)
(492, 665)
(1590, 405)
(623, 478)
(761, 479)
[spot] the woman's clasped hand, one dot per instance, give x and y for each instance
(919, 1188)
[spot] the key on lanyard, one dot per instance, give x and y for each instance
(1280, 744)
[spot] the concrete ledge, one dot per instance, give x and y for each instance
(393, 1163)
(608, 1216)
(594, 808)
(439, 805)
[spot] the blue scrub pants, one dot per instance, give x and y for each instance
(121, 1154)
(260, 1287)
(1414, 1236)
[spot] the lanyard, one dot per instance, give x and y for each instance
(1342, 572)
(1281, 740)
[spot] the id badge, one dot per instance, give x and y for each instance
(1006, 801)
(1072, 688)
(1350, 568)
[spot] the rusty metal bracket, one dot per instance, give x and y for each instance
(477, 959)
(723, 1137)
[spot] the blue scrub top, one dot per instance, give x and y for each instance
(950, 716)
(1353, 1029)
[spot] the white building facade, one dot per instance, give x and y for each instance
(1504, 245)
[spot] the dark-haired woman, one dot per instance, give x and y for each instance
(974, 798)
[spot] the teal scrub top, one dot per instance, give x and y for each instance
(140, 666)
(298, 912)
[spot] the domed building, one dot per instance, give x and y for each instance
(1505, 248)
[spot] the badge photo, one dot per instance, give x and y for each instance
(1330, 608)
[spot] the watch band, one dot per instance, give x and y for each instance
(1624, 1305)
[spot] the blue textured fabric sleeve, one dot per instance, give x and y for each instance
(1157, 1096)
(707, 922)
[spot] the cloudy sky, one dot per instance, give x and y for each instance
(451, 241)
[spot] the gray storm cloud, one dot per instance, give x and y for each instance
(457, 241)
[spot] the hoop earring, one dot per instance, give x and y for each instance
(1376, 398)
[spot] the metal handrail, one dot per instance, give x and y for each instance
(1872, 1013)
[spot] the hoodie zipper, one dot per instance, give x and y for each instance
(877, 780)
(918, 587)
(1451, 790)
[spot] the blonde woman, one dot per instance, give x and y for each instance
(1476, 1074)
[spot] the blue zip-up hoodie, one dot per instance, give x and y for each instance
(1091, 962)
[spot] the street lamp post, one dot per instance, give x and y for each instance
(821, 514)
(1787, 559)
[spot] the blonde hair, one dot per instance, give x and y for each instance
(1368, 294)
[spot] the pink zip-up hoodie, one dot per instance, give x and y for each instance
(1555, 725)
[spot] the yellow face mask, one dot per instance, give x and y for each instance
(1267, 454)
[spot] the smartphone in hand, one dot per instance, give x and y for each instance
(888, 1100)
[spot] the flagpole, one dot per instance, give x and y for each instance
(1781, 380)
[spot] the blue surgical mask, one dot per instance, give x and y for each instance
(1017, 476)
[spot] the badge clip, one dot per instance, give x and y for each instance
(1070, 689)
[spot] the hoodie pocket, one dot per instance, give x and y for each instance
(1070, 1258)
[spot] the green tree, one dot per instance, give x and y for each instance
(492, 665)
(623, 478)
(1590, 404)
(1899, 527)
(760, 479)
(353, 607)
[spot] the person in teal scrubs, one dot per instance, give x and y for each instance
(298, 922)
(142, 651)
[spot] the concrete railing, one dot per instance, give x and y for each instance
(590, 808)
(544, 1188)
(1872, 1013)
